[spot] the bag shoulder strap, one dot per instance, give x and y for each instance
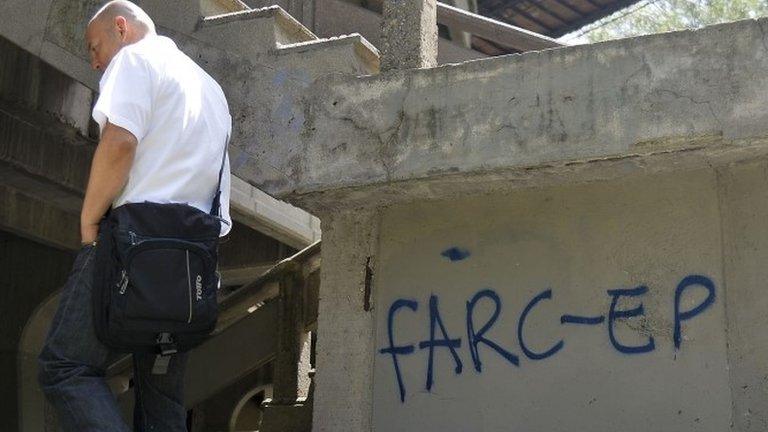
(216, 205)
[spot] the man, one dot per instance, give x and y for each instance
(164, 124)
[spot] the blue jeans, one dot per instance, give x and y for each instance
(73, 362)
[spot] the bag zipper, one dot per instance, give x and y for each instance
(123, 284)
(189, 285)
(138, 238)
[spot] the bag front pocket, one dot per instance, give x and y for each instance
(165, 275)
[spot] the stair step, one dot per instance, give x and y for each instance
(350, 53)
(218, 7)
(268, 29)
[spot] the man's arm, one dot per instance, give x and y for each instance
(111, 164)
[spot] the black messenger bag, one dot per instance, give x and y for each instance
(155, 283)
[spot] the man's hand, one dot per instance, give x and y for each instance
(109, 172)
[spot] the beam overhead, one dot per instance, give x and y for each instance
(493, 30)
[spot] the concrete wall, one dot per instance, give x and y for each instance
(569, 246)
(688, 246)
(573, 186)
(691, 245)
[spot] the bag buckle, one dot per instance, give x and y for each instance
(166, 348)
(160, 367)
(164, 338)
(165, 344)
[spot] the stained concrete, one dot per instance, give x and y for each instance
(509, 119)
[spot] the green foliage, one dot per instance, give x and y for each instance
(655, 16)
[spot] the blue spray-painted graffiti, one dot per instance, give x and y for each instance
(456, 254)
(477, 337)
(614, 314)
(528, 353)
(690, 281)
(451, 344)
(395, 350)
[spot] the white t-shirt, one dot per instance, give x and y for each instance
(179, 116)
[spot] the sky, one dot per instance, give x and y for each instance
(579, 36)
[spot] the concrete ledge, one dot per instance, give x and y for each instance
(278, 219)
(366, 54)
(216, 7)
(241, 15)
(693, 91)
(718, 153)
(264, 29)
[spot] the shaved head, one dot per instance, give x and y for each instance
(127, 10)
(117, 24)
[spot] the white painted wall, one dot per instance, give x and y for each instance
(579, 241)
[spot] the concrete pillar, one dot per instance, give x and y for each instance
(409, 34)
(286, 375)
(345, 335)
(288, 409)
(304, 366)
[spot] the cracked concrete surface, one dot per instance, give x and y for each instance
(697, 90)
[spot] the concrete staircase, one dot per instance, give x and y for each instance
(263, 58)
(272, 31)
(56, 29)
(269, 29)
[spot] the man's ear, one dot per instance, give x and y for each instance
(122, 27)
